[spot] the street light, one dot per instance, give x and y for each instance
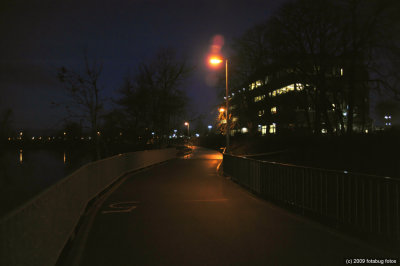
(187, 124)
(216, 61)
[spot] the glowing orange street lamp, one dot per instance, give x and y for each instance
(214, 60)
(187, 124)
(221, 110)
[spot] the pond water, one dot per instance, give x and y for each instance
(25, 173)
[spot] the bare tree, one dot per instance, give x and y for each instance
(85, 101)
(154, 98)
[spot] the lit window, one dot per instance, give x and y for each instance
(244, 130)
(258, 83)
(261, 112)
(259, 98)
(341, 71)
(274, 93)
(272, 128)
(273, 110)
(263, 130)
(299, 87)
(324, 131)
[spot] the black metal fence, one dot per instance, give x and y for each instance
(369, 203)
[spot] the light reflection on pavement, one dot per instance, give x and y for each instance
(203, 153)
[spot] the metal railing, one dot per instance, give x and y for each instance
(368, 203)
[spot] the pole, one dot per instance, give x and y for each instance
(227, 108)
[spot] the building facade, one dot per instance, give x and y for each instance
(281, 101)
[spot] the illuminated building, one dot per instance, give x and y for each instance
(275, 102)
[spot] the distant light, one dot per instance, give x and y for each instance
(120, 133)
(221, 110)
(186, 123)
(386, 117)
(245, 130)
(152, 133)
(20, 133)
(175, 130)
(170, 137)
(209, 126)
(197, 135)
(366, 131)
(98, 133)
(244, 89)
(9, 139)
(345, 113)
(33, 138)
(40, 138)
(345, 172)
(390, 117)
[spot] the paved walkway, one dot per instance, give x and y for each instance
(183, 213)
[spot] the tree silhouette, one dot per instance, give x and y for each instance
(85, 101)
(153, 98)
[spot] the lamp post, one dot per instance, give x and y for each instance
(187, 124)
(217, 61)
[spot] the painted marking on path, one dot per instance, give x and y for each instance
(126, 206)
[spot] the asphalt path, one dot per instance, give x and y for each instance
(183, 213)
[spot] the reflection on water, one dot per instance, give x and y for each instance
(25, 173)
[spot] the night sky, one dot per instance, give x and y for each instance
(40, 36)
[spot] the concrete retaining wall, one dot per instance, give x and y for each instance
(36, 233)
